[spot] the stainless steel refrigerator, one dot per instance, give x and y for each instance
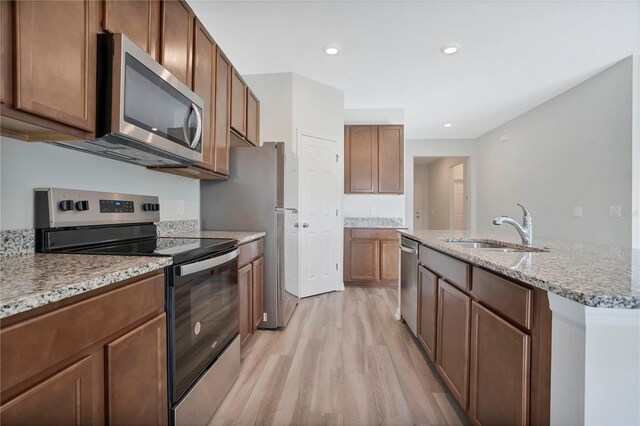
(252, 199)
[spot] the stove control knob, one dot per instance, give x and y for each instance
(156, 207)
(66, 205)
(147, 207)
(82, 205)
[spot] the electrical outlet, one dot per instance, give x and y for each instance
(615, 211)
(180, 208)
(577, 211)
(264, 316)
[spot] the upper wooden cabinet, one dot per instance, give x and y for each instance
(55, 68)
(204, 70)
(6, 60)
(138, 20)
(374, 159)
(222, 118)
(238, 104)
(177, 39)
(253, 118)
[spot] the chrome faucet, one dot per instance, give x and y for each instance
(525, 230)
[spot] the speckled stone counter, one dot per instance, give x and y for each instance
(243, 237)
(373, 222)
(591, 274)
(29, 281)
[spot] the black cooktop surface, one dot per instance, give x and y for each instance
(180, 249)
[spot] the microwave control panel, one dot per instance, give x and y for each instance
(116, 206)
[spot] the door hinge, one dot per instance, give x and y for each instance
(337, 156)
(336, 266)
(336, 212)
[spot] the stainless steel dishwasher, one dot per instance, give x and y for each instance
(409, 283)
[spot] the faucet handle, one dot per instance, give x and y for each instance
(527, 216)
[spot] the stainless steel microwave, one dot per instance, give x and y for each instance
(144, 115)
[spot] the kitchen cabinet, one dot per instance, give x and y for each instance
(138, 20)
(238, 104)
(500, 361)
(81, 362)
(371, 256)
(222, 141)
(250, 289)
(50, 89)
(427, 310)
(452, 359)
(253, 118)
(374, 159)
(177, 39)
(257, 290)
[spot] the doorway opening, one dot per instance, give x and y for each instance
(440, 193)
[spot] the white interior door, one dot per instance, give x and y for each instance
(417, 206)
(320, 226)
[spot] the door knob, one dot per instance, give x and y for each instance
(296, 225)
(305, 225)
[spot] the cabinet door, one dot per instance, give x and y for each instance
(138, 20)
(245, 279)
(452, 359)
(427, 311)
(55, 69)
(175, 48)
(390, 159)
(253, 119)
(137, 376)
(364, 257)
(238, 104)
(361, 160)
(257, 308)
(6, 49)
(389, 260)
(74, 396)
(500, 357)
(204, 57)
(222, 104)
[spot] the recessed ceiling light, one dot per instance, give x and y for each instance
(447, 125)
(154, 129)
(450, 48)
(332, 49)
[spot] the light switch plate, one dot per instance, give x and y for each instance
(577, 211)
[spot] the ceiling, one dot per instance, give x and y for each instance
(513, 56)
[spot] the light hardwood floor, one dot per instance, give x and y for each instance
(342, 360)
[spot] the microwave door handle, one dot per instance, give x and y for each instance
(185, 125)
(196, 137)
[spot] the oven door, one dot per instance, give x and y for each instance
(151, 105)
(203, 316)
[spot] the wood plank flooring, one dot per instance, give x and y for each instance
(342, 360)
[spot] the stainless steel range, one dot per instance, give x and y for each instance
(201, 286)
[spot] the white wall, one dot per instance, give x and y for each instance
(441, 148)
(364, 205)
(29, 165)
(635, 138)
(573, 150)
(439, 190)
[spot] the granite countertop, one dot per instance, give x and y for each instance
(594, 275)
(28, 281)
(374, 222)
(243, 237)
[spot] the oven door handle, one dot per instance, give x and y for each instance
(192, 268)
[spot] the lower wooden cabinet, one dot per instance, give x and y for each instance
(99, 360)
(500, 358)
(73, 396)
(371, 256)
(427, 310)
(452, 359)
(250, 289)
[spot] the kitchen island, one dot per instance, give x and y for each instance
(593, 292)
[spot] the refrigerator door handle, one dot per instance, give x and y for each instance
(286, 209)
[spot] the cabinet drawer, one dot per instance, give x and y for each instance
(250, 251)
(453, 270)
(32, 346)
(510, 299)
(375, 234)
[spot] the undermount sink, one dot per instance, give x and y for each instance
(495, 246)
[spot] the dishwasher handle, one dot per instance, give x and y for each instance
(408, 250)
